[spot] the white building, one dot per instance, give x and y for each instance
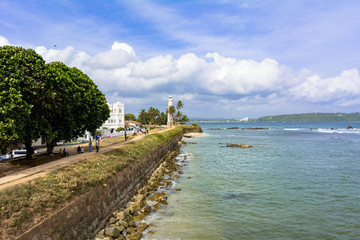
(117, 116)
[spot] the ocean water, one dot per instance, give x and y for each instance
(299, 181)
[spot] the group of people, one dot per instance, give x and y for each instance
(82, 149)
(63, 152)
(144, 130)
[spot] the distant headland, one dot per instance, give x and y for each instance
(302, 117)
(312, 117)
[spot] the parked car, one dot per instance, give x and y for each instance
(18, 153)
(2, 158)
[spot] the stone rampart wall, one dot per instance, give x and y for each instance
(88, 212)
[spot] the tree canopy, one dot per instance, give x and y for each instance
(22, 90)
(49, 100)
(76, 104)
(130, 117)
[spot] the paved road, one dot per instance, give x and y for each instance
(41, 170)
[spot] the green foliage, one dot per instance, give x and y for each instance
(152, 116)
(120, 129)
(76, 104)
(50, 100)
(143, 117)
(22, 93)
(130, 117)
(179, 105)
(312, 117)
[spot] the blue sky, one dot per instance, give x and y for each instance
(223, 58)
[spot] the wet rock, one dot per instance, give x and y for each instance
(141, 227)
(245, 146)
(130, 230)
(233, 145)
(157, 206)
(349, 127)
(135, 236)
(139, 217)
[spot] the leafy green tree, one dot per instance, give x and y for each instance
(153, 113)
(130, 117)
(75, 105)
(162, 119)
(21, 96)
(143, 117)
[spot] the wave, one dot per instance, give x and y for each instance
(294, 129)
(338, 130)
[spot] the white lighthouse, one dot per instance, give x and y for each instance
(170, 120)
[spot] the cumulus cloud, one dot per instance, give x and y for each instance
(339, 89)
(3, 41)
(212, 82)
(69, 56)
(231, 76)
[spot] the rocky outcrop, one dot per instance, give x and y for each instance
(239, 146)
(255, 128)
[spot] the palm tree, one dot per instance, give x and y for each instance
(153, 113)
(179, 105)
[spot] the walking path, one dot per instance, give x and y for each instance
(41, 170)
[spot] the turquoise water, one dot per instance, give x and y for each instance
(299, 181)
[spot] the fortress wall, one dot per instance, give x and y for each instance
(88, 213)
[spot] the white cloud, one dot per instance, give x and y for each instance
(120, 70)
(69, 56)
(231, 76)
(341, 89)
(213, 82)
(3, 41)
(123, 46)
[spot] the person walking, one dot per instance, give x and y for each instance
(97, 143)
(90, 145)
(125, 135)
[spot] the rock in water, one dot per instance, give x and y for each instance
(245, 146)
(233, 145)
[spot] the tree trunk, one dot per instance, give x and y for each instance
(50, 146)
(29, 149)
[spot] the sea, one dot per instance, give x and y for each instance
(298, 181)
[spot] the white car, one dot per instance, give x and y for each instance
(18, 153)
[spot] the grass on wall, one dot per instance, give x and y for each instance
(23, 204)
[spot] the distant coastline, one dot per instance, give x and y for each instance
(303, 117)
(312, 117)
